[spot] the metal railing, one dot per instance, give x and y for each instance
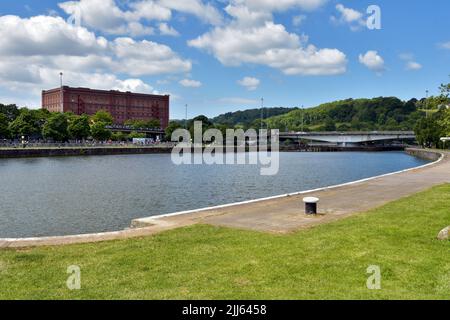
(85, 144)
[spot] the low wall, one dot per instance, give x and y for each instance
(432, 155)
(66, 152)
(103, 151)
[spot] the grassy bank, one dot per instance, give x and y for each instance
(203, 262)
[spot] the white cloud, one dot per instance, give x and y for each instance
(190, 83)
(134, 85)
(352, 17)
(150, 10)
(245, 17)
(412, 65)
(34, 50)
(249, 83)
(251, 36)
(48, 77)
(102, 81)
(167, 30)
(108, 17)
(298, 20)
(139, 58)
(271, 45)
(280, 5)
(44, 35)
(348, 14)
(373, 61)
(66, 46)
(204, 11)
(445, 45)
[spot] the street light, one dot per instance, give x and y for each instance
(303, 119)
(186, 121)
(262, 113)
(61, 92)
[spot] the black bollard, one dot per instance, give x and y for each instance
(311, 205)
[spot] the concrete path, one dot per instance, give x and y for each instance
(286, 214)
(279, 215)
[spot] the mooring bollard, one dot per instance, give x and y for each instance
(311, 205)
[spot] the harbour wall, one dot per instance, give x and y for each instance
(88, 151)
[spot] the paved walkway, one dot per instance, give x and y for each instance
(280, 215)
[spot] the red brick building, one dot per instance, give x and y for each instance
(123, 106)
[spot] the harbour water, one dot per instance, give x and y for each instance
(74, 195)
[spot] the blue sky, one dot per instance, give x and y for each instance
(220, 56)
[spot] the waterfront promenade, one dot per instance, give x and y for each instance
(279, 214)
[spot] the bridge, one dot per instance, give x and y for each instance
(349, 139)
(130, 129)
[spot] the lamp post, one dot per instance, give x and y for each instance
(61, 92)
(186, 118)
(262, 113)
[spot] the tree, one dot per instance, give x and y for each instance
(391, 125)
(203, 119)
(99, 131)
(329, 125)
(79, 128)
(103, 116)
(136, 135)
(119, 136)
(343, 127)
(4, 123)
(246, 117)
(445, 122)
(173, 125)
(10, 111)
(445, 90)
(206, 124)
(361, 114)
(428, 132)
(141, 124)
(28, 123)
(154, 123)
(136, 124)
(56, 127)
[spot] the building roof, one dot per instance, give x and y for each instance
(104, 91)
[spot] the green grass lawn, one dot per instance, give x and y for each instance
(204, 262)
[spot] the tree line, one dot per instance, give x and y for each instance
(39, 124)
(436, 122)
(428, 117)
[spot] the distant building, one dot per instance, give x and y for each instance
(123, 106)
